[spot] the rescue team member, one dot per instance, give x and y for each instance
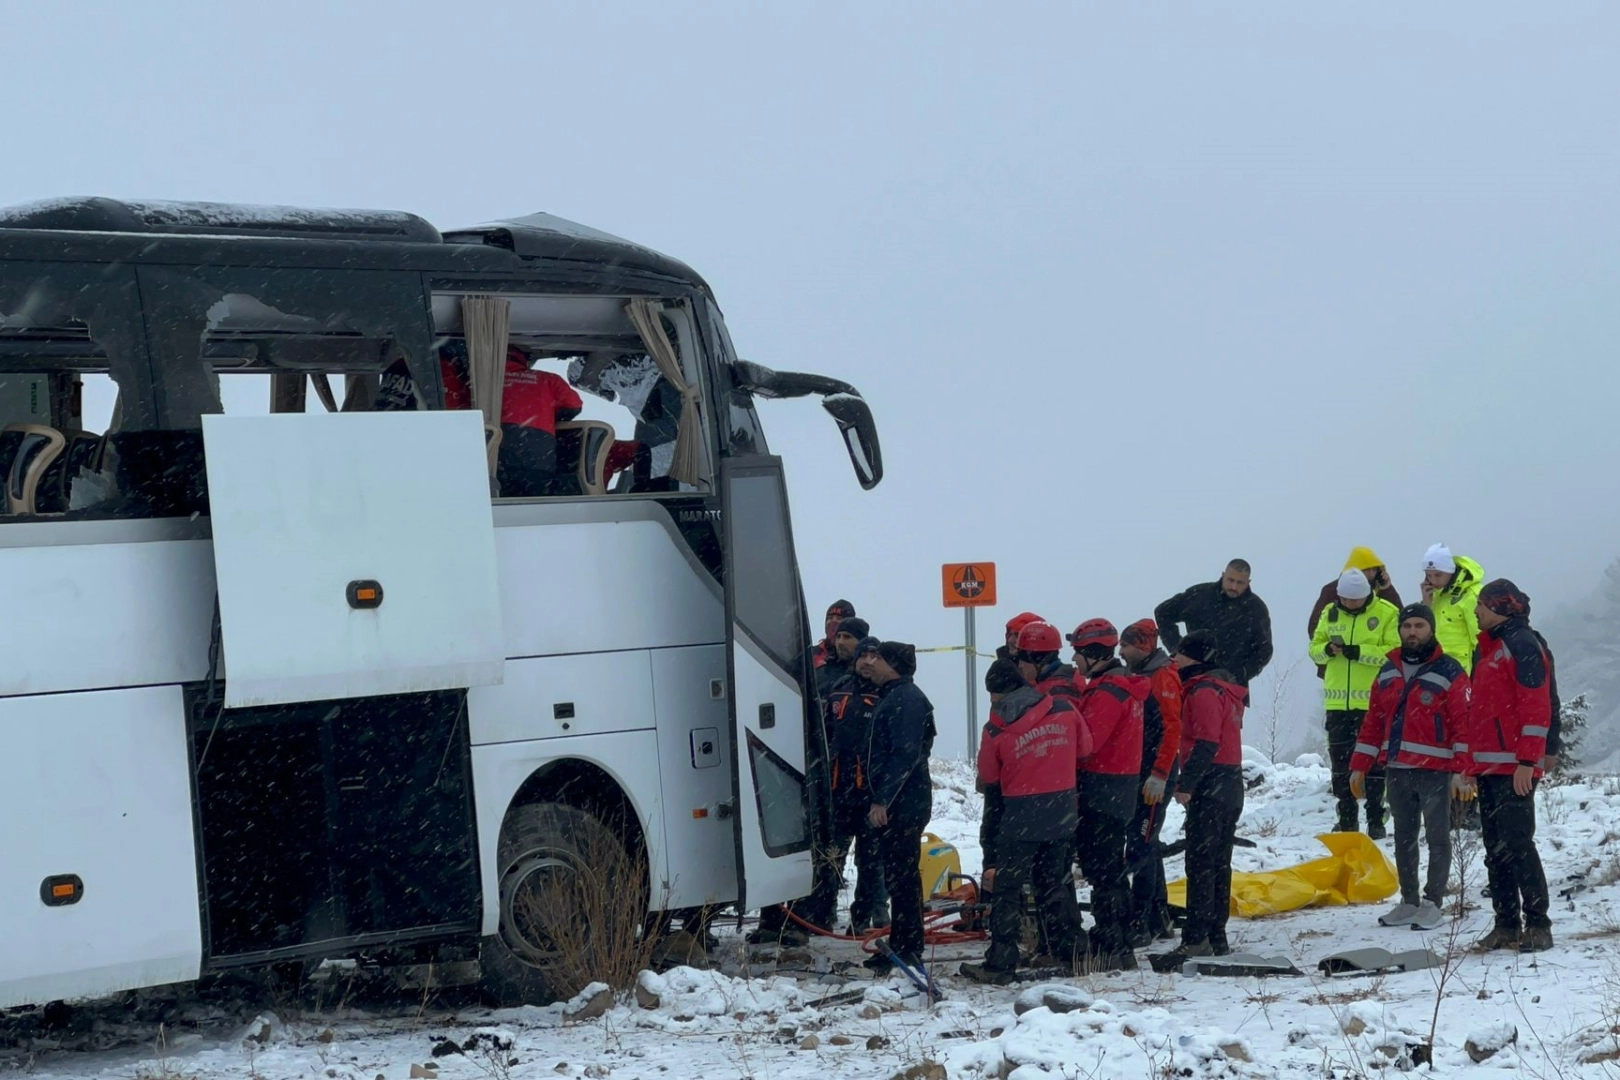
(1040, 658)
(1211, 788)
(850, 706)
(1028, 753)
(1229, 610)
(1510, 714)
(825, 651)
(1009, 651)
(1161, 743)
(532, 404)
(902, 792)
(1111, 707)
(1353, 636)
(840, 662)
(1417, 728)
(1367, 561)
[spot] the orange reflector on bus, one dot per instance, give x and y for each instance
(364, 594)
(701, 812)
(60, 890)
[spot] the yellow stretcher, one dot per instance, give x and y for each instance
(1357, 872)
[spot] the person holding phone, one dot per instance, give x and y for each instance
(1367, 561)
(1353, 636)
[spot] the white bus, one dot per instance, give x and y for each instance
(282, 684)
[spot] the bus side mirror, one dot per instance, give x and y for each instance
(849, 410)
(854, 419)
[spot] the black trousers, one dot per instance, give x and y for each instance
(870, 894)
(1343, 731)
(899, 847)
(1150, 908)
(1100, 840)
(1211, 828)
(1518, 883)
(1043, 865)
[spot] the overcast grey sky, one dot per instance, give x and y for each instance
(1132, 289)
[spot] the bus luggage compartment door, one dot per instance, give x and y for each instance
(98, 876)
(355, 555)
(766, 632)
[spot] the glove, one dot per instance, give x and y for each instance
(1351, 652)
(1463, 788)
(1153, 791)
(1358, 785)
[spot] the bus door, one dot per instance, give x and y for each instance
(355, 560)
(774, 799)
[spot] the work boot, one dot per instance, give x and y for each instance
(1349, 820)
(1098, 963)
(1141, 937)
(1170, 962)
(1428, 916)
(990, 976)
(1218, 947)
(1375, 828)
(1501, 937)
(1399, 915)
(1536, 939)
(764, 935)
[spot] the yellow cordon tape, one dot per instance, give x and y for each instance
(959, 648)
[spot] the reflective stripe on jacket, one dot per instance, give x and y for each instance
(1418, 716)
(1368, 634)
(1510, 708)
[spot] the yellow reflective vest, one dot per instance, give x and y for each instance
(1370, 634)
(1455, 623)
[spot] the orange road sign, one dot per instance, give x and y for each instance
(970, 584)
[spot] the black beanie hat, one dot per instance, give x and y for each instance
(841, 609)
(1003, 677)
(855, 626)
(1198, 645)
(866, 645)
(900, 656)
(1417, 611)
(1505, 598)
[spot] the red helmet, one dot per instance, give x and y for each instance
(1039, 637)
(1018, 622)
(1095, 632)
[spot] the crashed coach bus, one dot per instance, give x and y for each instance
(293, 672)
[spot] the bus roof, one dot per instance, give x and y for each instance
(71, 228)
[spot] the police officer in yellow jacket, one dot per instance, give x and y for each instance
(1352, 639)
(1451, 585)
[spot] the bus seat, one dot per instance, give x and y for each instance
(584, 446)
(38, 448)
(55, 488)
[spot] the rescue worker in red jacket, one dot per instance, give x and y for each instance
(1211, 788)
(1027, 755)
(1009, 650)
(1111, 706)
(1161, 745)
(1417, 728)
(1509, 719)
(1040, 659)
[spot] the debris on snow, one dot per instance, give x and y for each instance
(1059, 997)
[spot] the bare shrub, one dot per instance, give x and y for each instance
(595, 918)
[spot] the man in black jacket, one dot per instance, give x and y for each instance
(1237, 619)
(840, 661)
(902, 793)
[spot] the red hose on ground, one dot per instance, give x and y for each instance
(933, 934)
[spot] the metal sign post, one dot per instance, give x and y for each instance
(970, 586)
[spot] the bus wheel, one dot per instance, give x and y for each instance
(553, 858)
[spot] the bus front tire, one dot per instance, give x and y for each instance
(542, 846)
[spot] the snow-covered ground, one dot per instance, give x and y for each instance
(766, 1021)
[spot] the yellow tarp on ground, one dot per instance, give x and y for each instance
(1357, 872)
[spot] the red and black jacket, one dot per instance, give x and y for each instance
(1161, 716)
(1060, 680)
(1418, 715)
(1511, 708)
(1212, 707)
(1027, 755)
(1111, 707)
